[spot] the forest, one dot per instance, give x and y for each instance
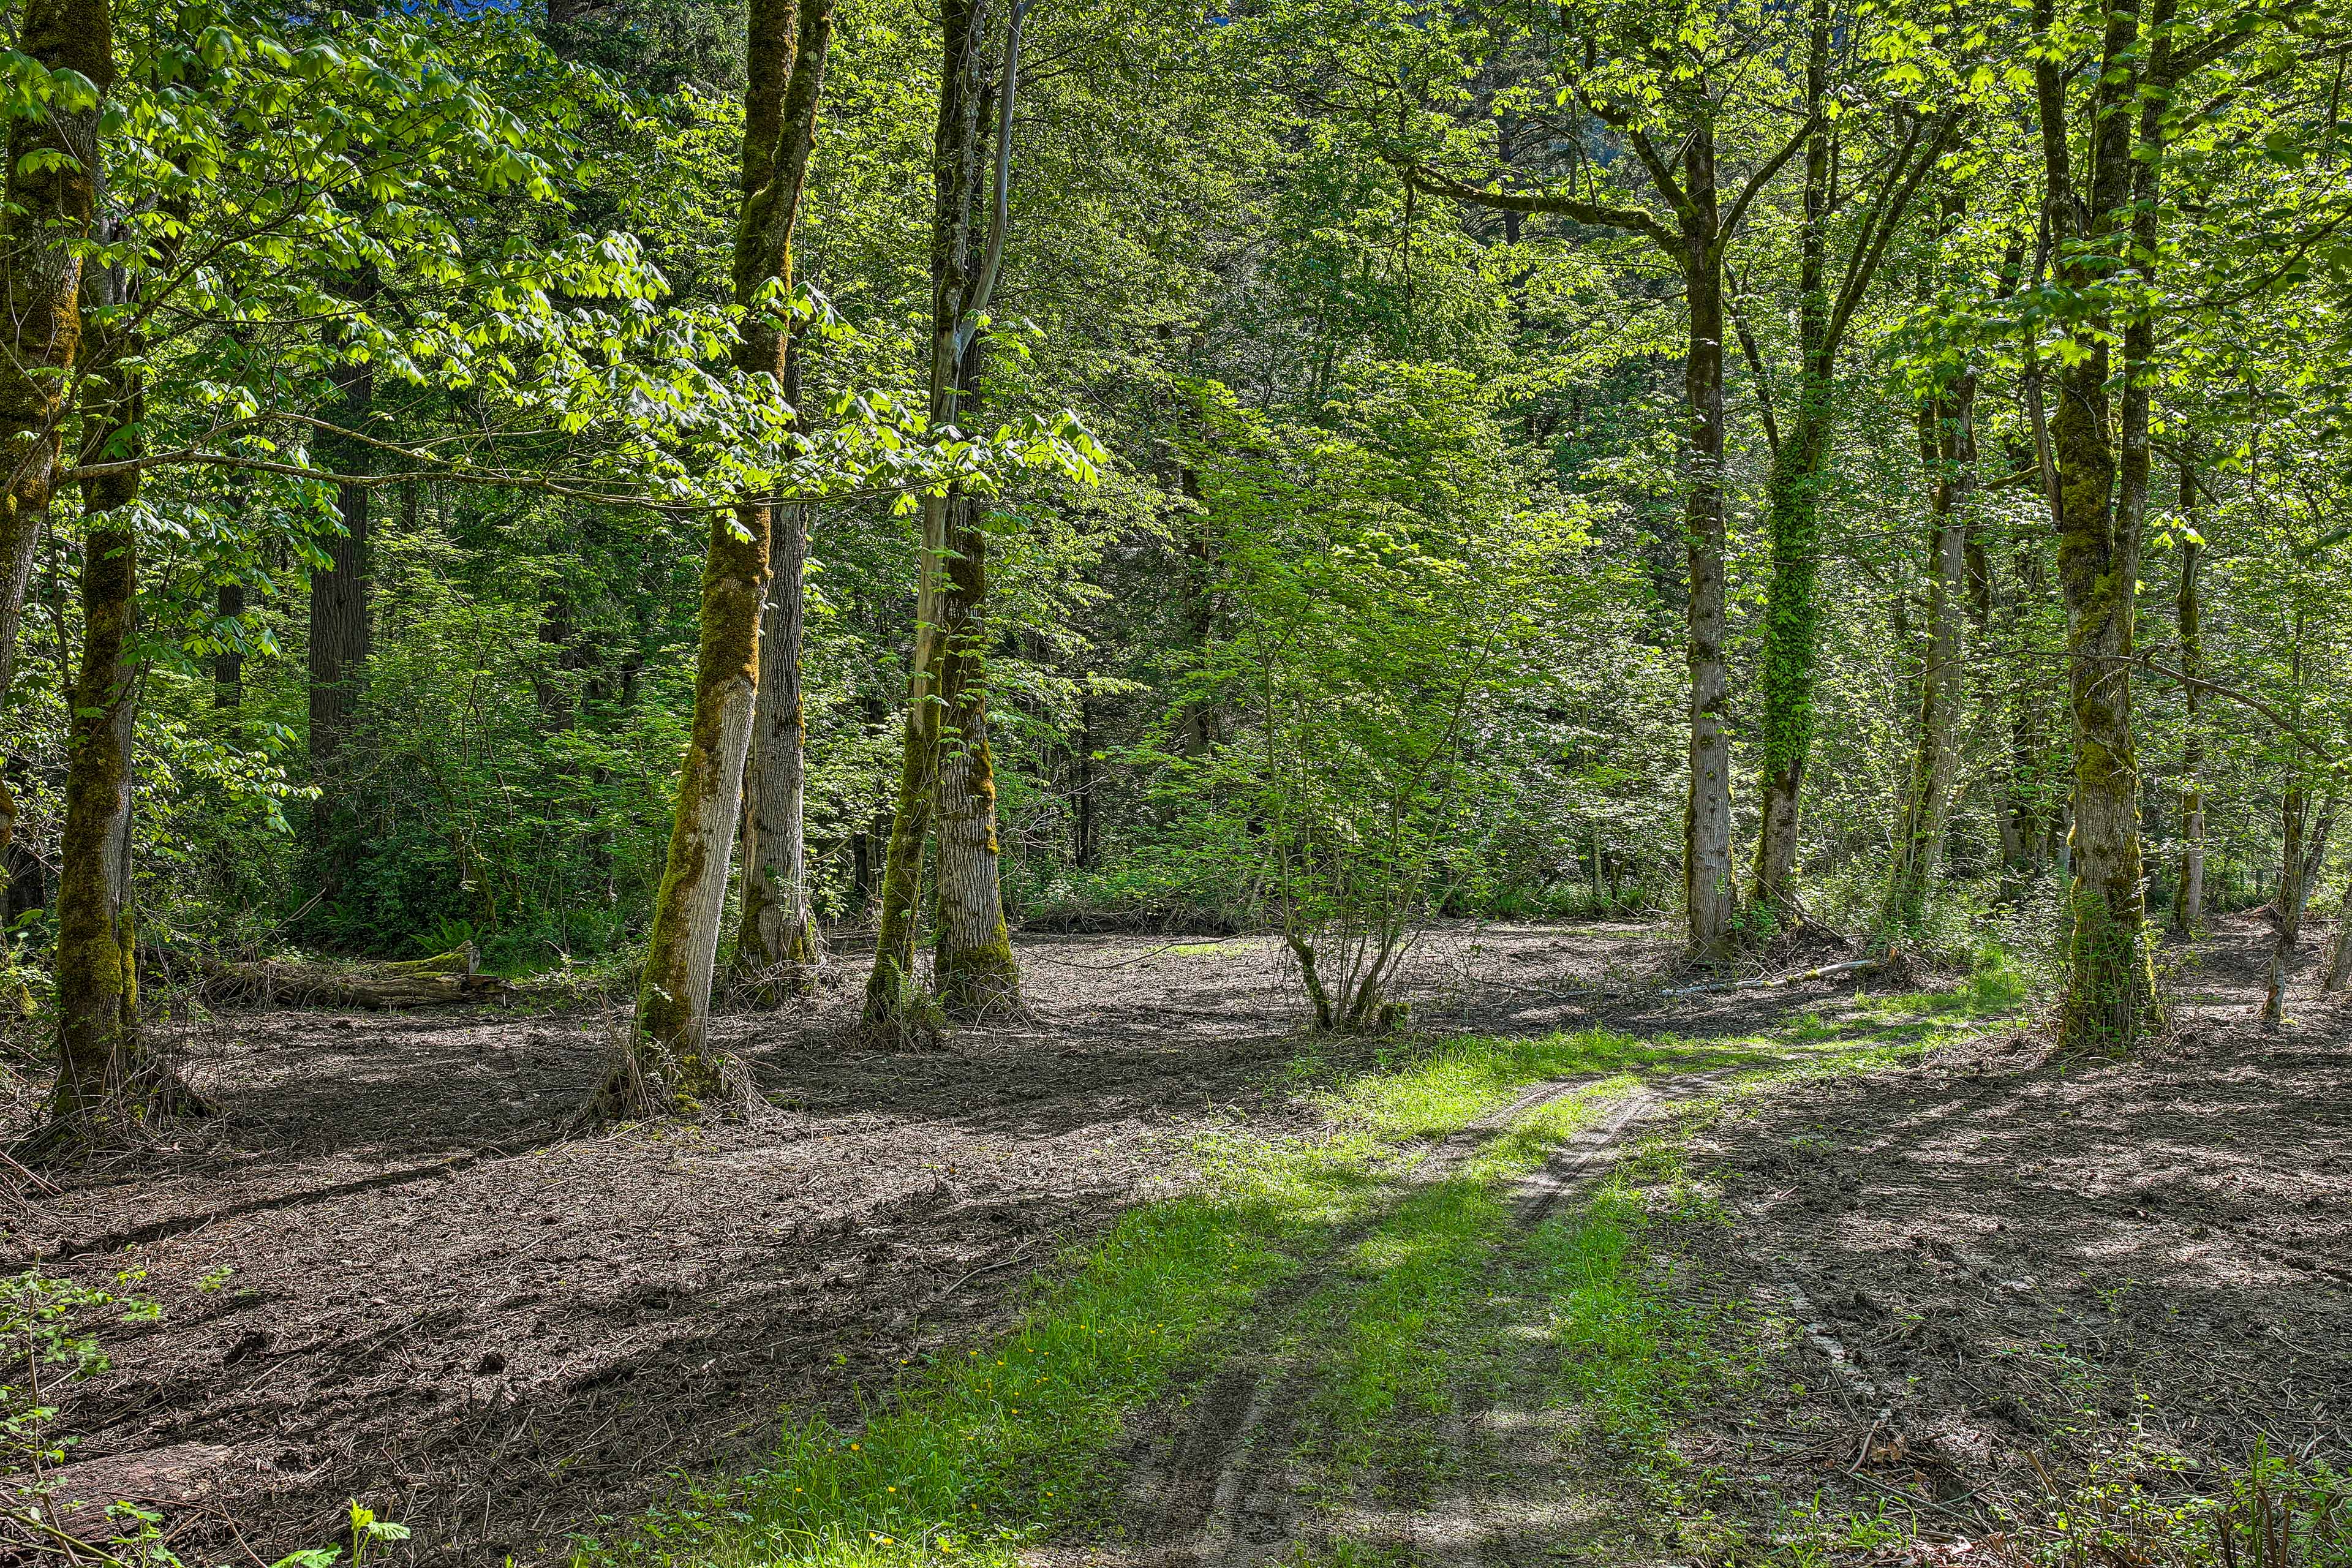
(1341, 783)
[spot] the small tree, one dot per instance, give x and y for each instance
(1390, 593)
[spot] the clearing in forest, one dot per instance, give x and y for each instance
(1582, 1272)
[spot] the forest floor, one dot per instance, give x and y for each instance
(1579, 1270)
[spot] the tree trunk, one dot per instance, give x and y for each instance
(1793, 520)
(973, 964)
(1082, 824)
(2188, 903)
(2110, 1001)
(51, 195)
(1707, 891)
(963, 277)
(669, 1064)
(1947, 444)
(229, 664)
(779, 937)
(2293, 893)
(2335, 975)
(106, 1084)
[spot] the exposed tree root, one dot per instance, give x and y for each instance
(121, 1116)
(640, 1083)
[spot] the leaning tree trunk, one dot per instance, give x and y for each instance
(1947, 443)
(778, 943)
(976, 974)
(670, 1063)
(51, 193)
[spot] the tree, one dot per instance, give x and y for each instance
(670, 1062)
(946, 772)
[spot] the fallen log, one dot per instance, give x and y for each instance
(378, 985)
(1763, 983)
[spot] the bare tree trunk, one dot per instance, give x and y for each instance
(2188, 903)
(670, 1063)
(1708, 895)
(779, 937)
(51, 200)
(2335, 975)
(973, 964)
(2293, 894)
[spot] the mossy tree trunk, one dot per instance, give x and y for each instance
(670, 1064)
(107, 1085)
(976, 972)
(1788, 668)
(51, 199)
(963, 279)
(2110, 1001)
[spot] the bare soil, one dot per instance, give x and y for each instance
(385, 1273)
(1999, 1266)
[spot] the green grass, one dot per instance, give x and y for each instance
(976, 1455)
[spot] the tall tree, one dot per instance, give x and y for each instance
(778, 943)
(339, 594)
(51, 200)
(1800, 454)
(973, 946)
(669, 1063)
(1674, 144)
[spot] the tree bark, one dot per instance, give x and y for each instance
(669, 1064)
(51, 201)
(339, 638)
(2110, 1001)
(2188, 903)
(963, 278)
(107, 1085)
(778, 942)
(973, 964)
(2292, 895)
(1708, 897)
(229, 664)
(2335, 974)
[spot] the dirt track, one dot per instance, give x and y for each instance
(427, 1297)
(421, 1295)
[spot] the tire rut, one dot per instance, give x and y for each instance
(1226, 1498)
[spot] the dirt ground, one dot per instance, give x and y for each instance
(2001, 1266)
(386, 1273)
